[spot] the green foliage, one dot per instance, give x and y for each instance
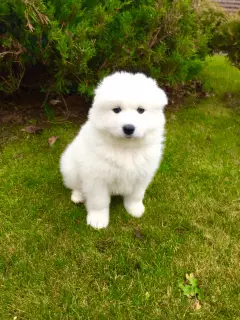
(227, 39)
(222, 29)
(190, 287)
(220, 77)
(78, 42)
(211, 17)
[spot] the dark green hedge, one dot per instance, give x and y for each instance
(77, 42)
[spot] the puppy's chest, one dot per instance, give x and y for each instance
(123, 177)
(123, 169)
(127, 165)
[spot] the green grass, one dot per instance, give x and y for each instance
(220, 77)
(52, 266)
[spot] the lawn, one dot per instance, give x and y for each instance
(53, 266)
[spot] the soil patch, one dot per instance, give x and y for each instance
(40, 108)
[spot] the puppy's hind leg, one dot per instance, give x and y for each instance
(71, 179)
(77, 196)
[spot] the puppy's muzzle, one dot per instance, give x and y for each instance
(128, 129)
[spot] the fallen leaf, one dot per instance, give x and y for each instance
(180, 231)
(32, 129)
(196, 305)
(138, 234)
(189, 276)
(52, 140)
(12, 250)
(53, 102)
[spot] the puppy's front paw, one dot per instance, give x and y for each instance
(98, 219)
(136, 209)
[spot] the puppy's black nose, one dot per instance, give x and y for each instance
(128, 129)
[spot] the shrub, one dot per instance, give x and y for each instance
(77, 42)
(211, 17)
(227, 39)
(223, 30)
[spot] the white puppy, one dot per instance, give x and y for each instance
(119, 148)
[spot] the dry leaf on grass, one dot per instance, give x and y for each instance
(138, 234)
(32, 129)
(52, 140)
(53, 102)
(196, 305)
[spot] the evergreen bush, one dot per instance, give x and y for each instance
(77, 42)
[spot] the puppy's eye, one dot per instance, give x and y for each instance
(117, 110)
(140, 110)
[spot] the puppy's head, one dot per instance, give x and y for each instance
(128, 106)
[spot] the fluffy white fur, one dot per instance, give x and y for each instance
(102, 160)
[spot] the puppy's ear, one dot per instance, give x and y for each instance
(158, 96)
(162, 98)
